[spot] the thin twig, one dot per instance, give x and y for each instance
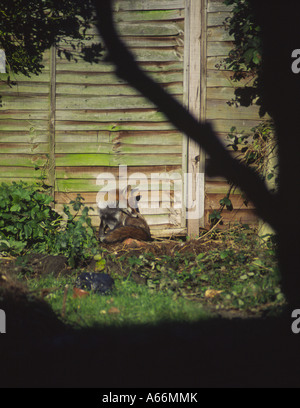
(211, 230)
(63, 309)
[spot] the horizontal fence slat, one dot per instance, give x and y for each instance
(12, 122)
(225, 94)
(148, 5)
(99, 78)
(105, 67)
(134, 175)
(223, 78)
(27, 148)
(163, 138)
(105, 103)
(218, 33)
(113, 127)
(212, 201)
(23, 137)
(146, 159)
(149, 28)
(18, 172)
(19, 102)
(105, 148)
(218, 5)
(28, 117)
(217, 109)
(224, 125)
(138, 115)
(27, 88)
(22, 160)
(216, 48)
(44, 76)
(149, 15)
(216, 18)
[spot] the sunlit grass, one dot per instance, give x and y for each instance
(239, 272)
(129, 303)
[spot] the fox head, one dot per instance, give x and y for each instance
(121, 199)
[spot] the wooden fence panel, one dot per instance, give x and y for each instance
(24, 125)
(102, 123)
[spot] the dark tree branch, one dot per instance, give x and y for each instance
(202, 133)
(281, 92)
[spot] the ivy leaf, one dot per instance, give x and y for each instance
(226, 202)
(15, 208)
(256, 57)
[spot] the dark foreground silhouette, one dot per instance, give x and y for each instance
(39, 351)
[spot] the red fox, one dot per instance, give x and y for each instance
(120, 217)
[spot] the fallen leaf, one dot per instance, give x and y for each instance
(113, 310)
(211, 293)
(78, 293)
(100, 265)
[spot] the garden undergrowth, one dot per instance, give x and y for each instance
(234, 273)
(231, 271)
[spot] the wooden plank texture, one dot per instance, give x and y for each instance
(148, 5)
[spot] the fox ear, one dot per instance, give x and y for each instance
(126, 191)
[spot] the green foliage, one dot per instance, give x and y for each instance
(26, 217)
(28, 28)
(248, 48)
(77, 239)
(257, 148)
(215, 217)
(29, 224)
(243, 267)
(226, 202)
(245, 59)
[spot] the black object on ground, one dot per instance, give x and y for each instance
(97, 282)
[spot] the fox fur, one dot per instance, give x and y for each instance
(120, 217)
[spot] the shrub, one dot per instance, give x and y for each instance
(28, 223)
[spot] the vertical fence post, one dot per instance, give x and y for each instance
(195, 101)
(51, 165)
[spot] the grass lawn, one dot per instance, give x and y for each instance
(129, 303)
